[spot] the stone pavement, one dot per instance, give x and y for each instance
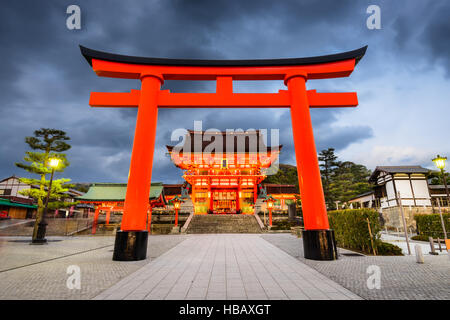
(40, 272)
(222, 266)
(14, 222)
(401, 277)
(400, 242)
(226, 266)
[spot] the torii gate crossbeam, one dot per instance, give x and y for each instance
(131, 240)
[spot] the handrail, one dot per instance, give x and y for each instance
(186, 224)
(258, 219)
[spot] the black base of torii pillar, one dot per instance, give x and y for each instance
(319, 244)
(130, 245)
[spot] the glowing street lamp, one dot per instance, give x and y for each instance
(440, 163)
(53, 163)
(270, 201)
(42, 225)
(176, 201)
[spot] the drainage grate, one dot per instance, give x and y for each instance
(28, 241)
(352, 254)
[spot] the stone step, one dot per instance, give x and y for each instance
(230, 223)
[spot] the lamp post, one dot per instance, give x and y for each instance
(176, 206)
(440, 163)
(176, 201)
(42, 226)
(270, 201)
(270, 205)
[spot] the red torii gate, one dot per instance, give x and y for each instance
(131, 240)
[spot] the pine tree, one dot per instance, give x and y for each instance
(327, 168)
(349, 180)
(49, 143)
(435, 177)
(286, 174)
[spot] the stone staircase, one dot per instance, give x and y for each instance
(226, 223)
(259, 205)
(187, 206)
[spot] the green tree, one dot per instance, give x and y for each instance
(48, 143)
(287, 174)
(328, 165)
(83, 187)
(341, 180)
(435, 177)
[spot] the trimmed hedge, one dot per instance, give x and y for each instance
(284, 224)
(420, 237)
(388, 249)
(352, 232)
(430, 225)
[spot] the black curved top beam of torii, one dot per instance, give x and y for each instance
(90, 54)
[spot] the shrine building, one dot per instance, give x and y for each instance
(284, 194)
(224, 169)
(110, 197)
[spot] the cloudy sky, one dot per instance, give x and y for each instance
(402, 82)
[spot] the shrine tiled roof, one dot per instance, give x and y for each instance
(173, 189)
(223, 142)
(9, 203)
(280, 188)
(117, 192)
(397, 169)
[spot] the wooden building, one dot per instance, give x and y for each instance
(14, 204)
(16, 210)
(10, 189)
(364, 200)
(110, 197)
(439, 192)
(410, 181)
(224, 169)
(285, 194)
(173, 190)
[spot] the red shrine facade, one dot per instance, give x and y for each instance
(224, 169)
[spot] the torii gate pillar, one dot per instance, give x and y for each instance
(131, 240)
(318, 239)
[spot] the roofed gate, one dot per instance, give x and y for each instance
(131, 240)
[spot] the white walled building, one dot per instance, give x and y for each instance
(412, 184)
(409, 181)
(10, 197)
(365, 200)
(12, 203)
(439, 192)
(10, 187)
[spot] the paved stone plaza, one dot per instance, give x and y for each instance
(40, 272)
(227, 266)
(401, 277)
(215, 266)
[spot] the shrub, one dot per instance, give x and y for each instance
(388, 249)
(420, 237)
(284, 224)
(351, 229)
(430, 225)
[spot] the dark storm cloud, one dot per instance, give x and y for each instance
(437, 35)
(45, 81)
